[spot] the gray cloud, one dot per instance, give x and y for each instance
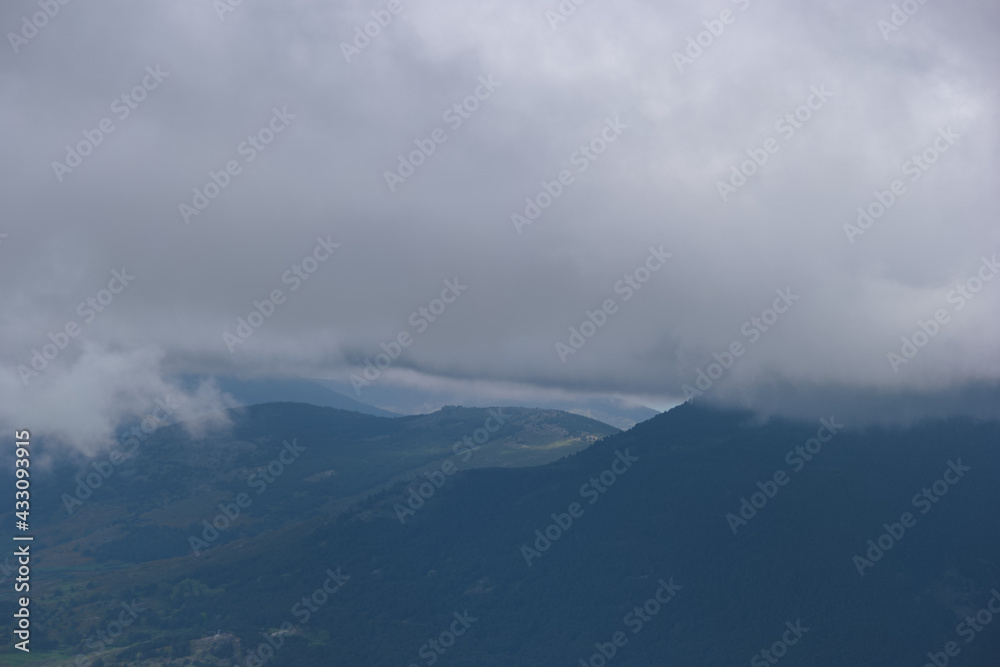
(656, 185)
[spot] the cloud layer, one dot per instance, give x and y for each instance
(535, 161)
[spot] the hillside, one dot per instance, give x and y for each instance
(287, 462)
(656, 526)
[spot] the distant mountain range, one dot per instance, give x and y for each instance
(699, 537)
(411, 400)
(408, 401)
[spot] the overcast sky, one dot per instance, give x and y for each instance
(662, 118)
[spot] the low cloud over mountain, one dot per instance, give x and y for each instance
(817, 180)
